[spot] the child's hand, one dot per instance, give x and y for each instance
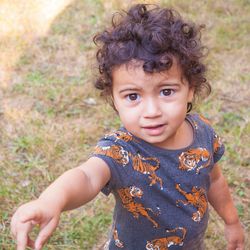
(235, 236)
(29, 215)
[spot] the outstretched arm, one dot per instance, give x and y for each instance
(72, 189)
(219, 197)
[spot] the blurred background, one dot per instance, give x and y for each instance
(51, 117)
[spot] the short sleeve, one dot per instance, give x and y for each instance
(116, 157)
(208, 134)
(218, 147)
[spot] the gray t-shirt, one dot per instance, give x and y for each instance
(161, 194)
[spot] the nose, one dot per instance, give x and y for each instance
(152, 108)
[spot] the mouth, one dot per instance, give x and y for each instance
(153, 126)
(154, 130)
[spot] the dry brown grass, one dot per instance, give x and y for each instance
(20, 23)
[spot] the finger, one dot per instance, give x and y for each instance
(22, 234)
(21, 240)
(13, 226)
(240, 246)
(231, 246)
(14, 223)
(45, 233)
(33, 215)
(20, 221)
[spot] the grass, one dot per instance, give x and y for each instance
(46, 98)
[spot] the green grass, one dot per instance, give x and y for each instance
(46, 127)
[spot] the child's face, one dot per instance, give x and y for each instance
(153, 107)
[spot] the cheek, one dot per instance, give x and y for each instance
(175, 108)
(124, 109)
(129, 118)
(176, 112)
(128, 115)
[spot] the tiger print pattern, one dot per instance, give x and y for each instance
(127, 196)
(115, 152)
(205, 120)
(194, 159)
(217, 143)
(120, 135)
(143, 165)
(196, 198)
(166, 242)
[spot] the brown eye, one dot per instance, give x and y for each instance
(133, 97)
(167, 92)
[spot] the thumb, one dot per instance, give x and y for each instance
(46, 231)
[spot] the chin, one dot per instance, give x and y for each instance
(155, 140)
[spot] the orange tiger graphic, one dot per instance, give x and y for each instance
(127, 196)
(118, 243)
(190, 159)
(197, 198)
(217, 143)
(115, 152)
(165, 243)
(204, 119)
(142, 165)
(120, 135)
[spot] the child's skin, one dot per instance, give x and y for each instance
(157, 106)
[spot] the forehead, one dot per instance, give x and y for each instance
(133, 70)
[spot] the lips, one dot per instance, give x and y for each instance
(154, 130)
(153, 126)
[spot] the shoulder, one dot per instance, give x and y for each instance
(117, 145)
(119, 137)
(200, 121)
(203, 127)
(206, 131)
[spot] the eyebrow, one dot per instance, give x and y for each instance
(162, 84)
(129, 89)
(169, 84)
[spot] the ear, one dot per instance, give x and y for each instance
(113, 104)
(190, 94)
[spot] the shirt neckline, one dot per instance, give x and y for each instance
(158, 150)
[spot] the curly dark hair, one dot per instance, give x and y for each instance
(154, 36)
